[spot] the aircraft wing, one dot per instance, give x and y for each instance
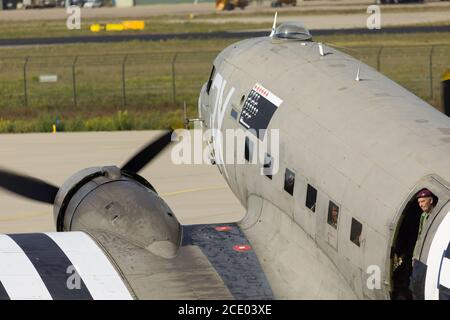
(213, 262)
(57, 266)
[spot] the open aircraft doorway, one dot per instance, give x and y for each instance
(401, 259)
(403, 249)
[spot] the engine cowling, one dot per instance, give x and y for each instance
(108, 199)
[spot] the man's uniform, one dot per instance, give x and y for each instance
(425, 193)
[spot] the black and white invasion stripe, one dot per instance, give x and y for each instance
(444, 276)
(57, 266)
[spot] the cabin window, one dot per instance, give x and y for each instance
(289, 181)
(355, 232)
(267, 169)
(311, 198)
(248, 149)
(333, 214)
(211, 76)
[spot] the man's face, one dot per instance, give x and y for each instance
(426, 204)
(334, 215)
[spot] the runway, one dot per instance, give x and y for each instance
(196, 193)
(206, 35)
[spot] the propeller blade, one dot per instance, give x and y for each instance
(148, 153)
(28, 187)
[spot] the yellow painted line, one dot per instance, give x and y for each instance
(175, 193)
(168, 194)
(23, 216)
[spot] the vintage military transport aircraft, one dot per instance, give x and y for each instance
(354, 150)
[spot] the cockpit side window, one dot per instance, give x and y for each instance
(248, 151)
(267, 169)
(211, 77)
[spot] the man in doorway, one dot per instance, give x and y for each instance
(425, 199)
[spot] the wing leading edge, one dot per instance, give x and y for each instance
(214, 261)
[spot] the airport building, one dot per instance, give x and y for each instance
(144, 2)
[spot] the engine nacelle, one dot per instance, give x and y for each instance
(111, 200)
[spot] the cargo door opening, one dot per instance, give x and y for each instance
(402, 251)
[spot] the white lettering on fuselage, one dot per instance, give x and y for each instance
(220, 106)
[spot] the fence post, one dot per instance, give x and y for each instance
(379, 58)
(124, 89)
(74, 81)
(174, 92)
(25, 91)
(431, 73)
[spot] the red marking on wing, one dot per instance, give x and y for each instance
(223, 228)
(242, 248)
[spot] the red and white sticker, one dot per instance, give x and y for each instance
(242, 248)
(267, 94)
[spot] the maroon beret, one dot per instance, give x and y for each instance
(424, 193)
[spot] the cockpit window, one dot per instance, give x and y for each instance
(248, 151)
(267, 168)
(208, 86)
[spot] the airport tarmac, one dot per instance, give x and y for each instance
(146, 11)
(317, 15)
(196, 193)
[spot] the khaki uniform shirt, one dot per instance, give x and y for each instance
(423, 220)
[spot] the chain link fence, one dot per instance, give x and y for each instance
(159, 79)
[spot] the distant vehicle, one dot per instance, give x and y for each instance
(397, 1)
(280, 3)
(93, 4)
(231, 4)
(39, 4)
(9, 5)
(79, 3)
